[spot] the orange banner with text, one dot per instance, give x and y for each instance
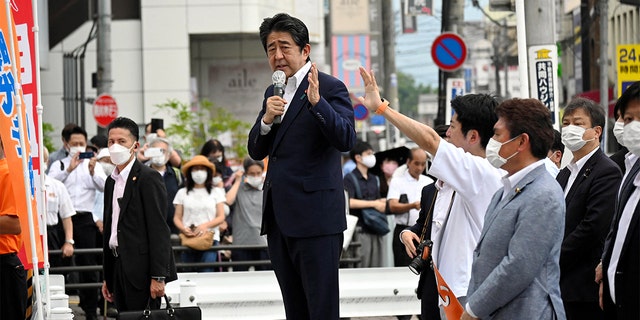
(452, 307)
(9, 131)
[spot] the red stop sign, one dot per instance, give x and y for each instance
(105, 110)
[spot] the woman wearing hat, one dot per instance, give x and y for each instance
(194, 215)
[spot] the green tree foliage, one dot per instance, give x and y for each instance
(192, 128)
(408, 94)
(47, 130)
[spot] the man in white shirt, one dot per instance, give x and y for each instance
(466, 180)
(59, 208)
(404, 195)
(83, 178)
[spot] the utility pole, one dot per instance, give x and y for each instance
(104, 52)
(542, 54)
(390, 85)
(604, 63)
(452, 21)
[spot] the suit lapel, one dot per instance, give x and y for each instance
(626, 190)
(583, 175)
(497, 205)
(131, 181)
(633, 224)
(295, 106)
(563, 177)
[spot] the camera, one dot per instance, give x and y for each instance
(423, 258)
(85, 155)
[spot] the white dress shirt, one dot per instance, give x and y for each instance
(412, 187)
(509, 181)
(289, 91)
(80, 183)
(118, 191)
(551, 167)
(575, 168)
(58, 201)
(475, 181)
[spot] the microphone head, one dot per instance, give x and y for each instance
(279, 78)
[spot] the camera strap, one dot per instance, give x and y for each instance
(427, 221)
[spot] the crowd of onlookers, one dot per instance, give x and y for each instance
(438, 192)
(204, 195)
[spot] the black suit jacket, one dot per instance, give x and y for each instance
(144, 243)
(427, 290)
(627, 276)
(589, 204)
(304, 179)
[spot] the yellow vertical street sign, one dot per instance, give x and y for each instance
(628, 65)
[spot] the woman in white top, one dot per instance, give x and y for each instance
(198, 208)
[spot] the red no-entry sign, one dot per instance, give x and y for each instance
(105, 110)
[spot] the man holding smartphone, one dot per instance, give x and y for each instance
(404, 200)
(153, 130)
(82, 178)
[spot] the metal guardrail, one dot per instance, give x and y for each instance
(349, 259)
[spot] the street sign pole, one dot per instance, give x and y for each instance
(455, 87)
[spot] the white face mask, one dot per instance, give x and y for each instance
(493, 152)
(216, 180)
(572, 137)
(369, 161)
(107, 167)
(618, 131)
(255, 182)
(75, 150)
(159, 160)
(631, 137)
(199, 176)
(120, 154)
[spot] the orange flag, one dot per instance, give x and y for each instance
(452, 307)
(9, 130)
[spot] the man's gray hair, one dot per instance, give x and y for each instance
(164, 140)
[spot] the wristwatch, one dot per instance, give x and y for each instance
(159, 279)
(70, 241)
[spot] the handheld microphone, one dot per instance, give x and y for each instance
(278, 79)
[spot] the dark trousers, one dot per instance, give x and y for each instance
(84, 235)
(307, 272)
(13, 287)
(428, 295)
(583, 310)
(128, 297)
(55, 240)
(249, 255)
(400, 257)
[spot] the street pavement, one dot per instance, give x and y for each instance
(78, 314)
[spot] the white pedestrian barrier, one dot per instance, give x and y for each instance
(364, 292)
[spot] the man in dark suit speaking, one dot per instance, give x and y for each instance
(138, 259)
(303, 207)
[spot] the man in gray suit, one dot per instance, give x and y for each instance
(515, 272)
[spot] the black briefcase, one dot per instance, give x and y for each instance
(169, 313)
